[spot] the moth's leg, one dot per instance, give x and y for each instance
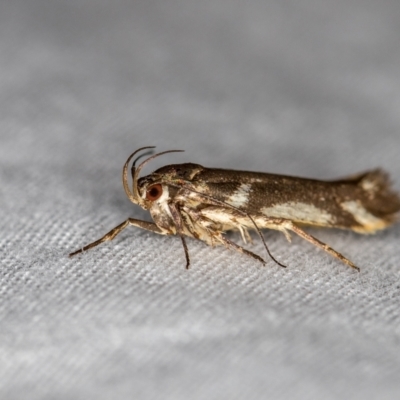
(177, 217)
(188, 223)
(149, 226)
(294, 228)
(198, 226)
(287, 235)
(236, 247)
(241, 218)
(245, 234)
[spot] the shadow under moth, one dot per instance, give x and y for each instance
(191, 200)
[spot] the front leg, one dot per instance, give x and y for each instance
(177, 217)
(149, 226)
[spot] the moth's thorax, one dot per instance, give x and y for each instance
(179, 172)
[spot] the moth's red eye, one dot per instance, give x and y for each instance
(154, 192)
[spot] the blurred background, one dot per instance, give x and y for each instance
(308, 88)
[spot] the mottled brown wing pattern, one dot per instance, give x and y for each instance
(364, 203)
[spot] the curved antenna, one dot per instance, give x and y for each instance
(136, 172)
(137, 159)
(128, 192)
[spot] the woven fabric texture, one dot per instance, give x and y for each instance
(294, 87)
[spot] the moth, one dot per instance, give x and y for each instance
(203, 203)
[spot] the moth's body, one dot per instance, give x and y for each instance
(191, 200)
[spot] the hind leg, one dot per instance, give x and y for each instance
(286, 224)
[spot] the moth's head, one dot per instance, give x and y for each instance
(163, 183)
(160, 185)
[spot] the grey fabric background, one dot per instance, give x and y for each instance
(306, 87)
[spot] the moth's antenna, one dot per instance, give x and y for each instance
(136, 172)
(136, 160)
(128, 192)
